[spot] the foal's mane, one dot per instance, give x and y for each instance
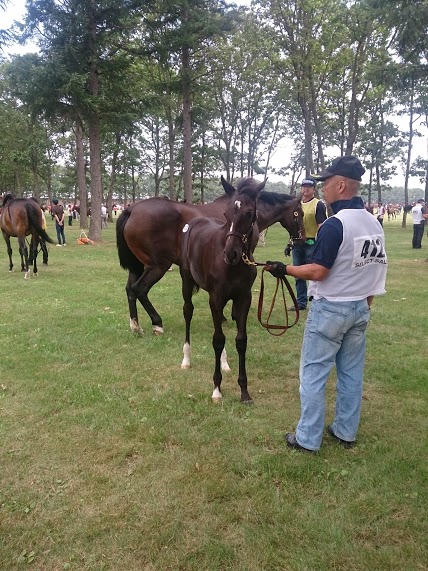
(273, 198)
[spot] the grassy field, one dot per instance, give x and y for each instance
(113, 458)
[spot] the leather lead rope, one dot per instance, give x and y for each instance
(273, 327)
(268, 326)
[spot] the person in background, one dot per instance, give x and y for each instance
(70, 215)
(419, 215)
(57, 212)
(380, 213)
(314, 214)
(103, 216)
(348, 269)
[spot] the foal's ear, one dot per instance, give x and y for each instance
(228, 188)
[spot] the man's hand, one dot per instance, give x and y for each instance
(277, 269)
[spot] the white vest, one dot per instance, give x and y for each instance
(417, 214)
(359, 270)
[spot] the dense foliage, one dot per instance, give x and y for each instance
(133, 98)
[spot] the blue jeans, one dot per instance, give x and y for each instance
(302, 255)
(335, 334)
(60, 232)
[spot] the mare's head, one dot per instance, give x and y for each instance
(287, 210)
(241, 216)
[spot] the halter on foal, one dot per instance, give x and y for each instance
(19, 218)
(212, 259)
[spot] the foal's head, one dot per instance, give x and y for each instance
(241, 216)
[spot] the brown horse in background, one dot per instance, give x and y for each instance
(148, 235)
(217, 256)
(21, 217)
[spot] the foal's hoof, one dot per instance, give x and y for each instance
(217, 397)
(247, 401)
(135, 327)
(158, 331)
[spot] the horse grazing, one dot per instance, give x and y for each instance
(148, 236)
(19, 218)
(215, 256)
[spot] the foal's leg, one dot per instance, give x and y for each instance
(219, 341)
(9, 250)
(44, 248)
(141, 287)
(32, 259)
(242, 307)
(23, 250)
(187, 288)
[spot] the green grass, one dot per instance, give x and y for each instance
(113, 458)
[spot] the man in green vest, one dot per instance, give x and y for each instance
(314, 212)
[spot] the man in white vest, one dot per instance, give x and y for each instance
(348, 269)
(419, 215)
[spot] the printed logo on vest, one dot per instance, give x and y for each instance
(368, 250)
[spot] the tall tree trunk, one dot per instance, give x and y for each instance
(94, 133)
(409, 151)
(426, 167)
(109, 201)
(36, 184)
(187, 125)
(81, 175)
(171, 141)
(309, 158)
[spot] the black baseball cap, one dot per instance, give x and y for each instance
(348, 166)
(307, 182)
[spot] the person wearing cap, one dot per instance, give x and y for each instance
(348, 269)
(419, 215)
(314, 214)
(57, 212)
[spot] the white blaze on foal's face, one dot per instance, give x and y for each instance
(238, 205)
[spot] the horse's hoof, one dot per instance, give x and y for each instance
(135, 327)
(216, 396)
(185, 366)
(157, 330)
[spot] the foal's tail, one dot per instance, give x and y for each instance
(126, 258)
(33, 213)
